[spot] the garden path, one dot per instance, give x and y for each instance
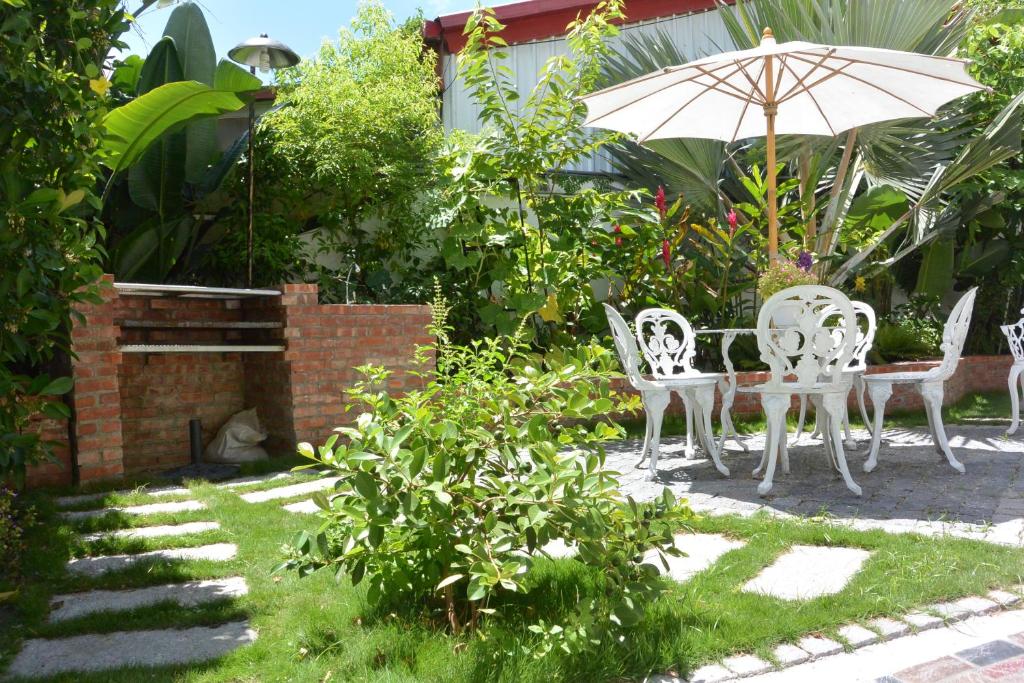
(86, 651)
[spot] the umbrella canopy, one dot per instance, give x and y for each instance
(780, 88)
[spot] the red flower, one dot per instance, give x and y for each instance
(659, 201)
(616, 228)
(732, 222)
(666, 253)
(618, 241)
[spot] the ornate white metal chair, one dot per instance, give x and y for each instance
(669, 345)
(928, 382)
(857, 367)
(656, 395)
(1015, 336)
(804, 358)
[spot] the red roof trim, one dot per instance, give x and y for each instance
(537, 19)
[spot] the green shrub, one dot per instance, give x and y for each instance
(448, 493)
(13, 523)
(52, 57)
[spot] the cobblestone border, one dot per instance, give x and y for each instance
(855, 636)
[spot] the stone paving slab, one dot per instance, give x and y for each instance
(95, 566)
(79, 498)
(303, 507)
(819, 646)
(858, 636)
(805, 572)
(289, 491)
(259, 479)
(712, 673)
(99, 652)
(702, 551)
(790, 655)
(746, 665)
(889, 628)
(911, 491)
(876, 661)
(152, 508)
(188, 594)
(154, 531)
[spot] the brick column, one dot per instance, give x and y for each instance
(97, 399)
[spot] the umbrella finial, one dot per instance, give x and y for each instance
(767, 37)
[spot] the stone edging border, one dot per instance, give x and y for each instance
(856, 636)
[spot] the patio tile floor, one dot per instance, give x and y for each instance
(913, 489)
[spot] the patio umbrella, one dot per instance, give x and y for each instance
(779, 88)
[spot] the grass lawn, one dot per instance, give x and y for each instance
(317, 629)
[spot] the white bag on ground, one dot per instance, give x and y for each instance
(238, 440)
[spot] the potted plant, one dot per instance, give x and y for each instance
(783, 274)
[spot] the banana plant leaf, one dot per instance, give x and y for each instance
(160, 171)
(187, 27)
(131, 129)
(935, 276)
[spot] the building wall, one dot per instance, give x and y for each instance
(697, 34)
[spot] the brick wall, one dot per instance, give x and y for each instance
(325, 345)
(133, 408)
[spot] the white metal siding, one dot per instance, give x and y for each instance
(698, 34)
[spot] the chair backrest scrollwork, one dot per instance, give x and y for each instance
(793, 342)
(1015, 336)
(865, 334)
(954, 334)
(625, 346)
(667, 342)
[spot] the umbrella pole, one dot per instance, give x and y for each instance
(770, 110)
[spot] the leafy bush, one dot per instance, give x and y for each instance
(447, 494)
(355, 151)
(13, 523)
(51, 57)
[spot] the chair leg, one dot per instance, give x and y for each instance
(932, 393)
(932, 432)
(725, 417)
(690, 451)
(656, 402)
(775, 407)
(835, 406)
(849, 443)
(800, 420)
(858, 388)
(880, 393)
(704, 397)
(821, 425)
(1011, 382)
(647, 436)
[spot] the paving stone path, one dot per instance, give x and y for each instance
(289, 491)
(154, 531)
(912, 489)
(188, 594)
(149, 509)
(98, 652)
(804, 572)
(95, 566)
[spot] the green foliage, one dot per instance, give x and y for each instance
(51, 57)
(519, 230)
(163, 212)
(360, 141)
(133, 128)
(913, 331)
(449, 492)
(14, 521)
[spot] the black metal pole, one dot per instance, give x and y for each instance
(195, 440)
(252, 193)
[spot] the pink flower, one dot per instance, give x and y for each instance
(732, 222)
(666, 253)
(659, 201)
